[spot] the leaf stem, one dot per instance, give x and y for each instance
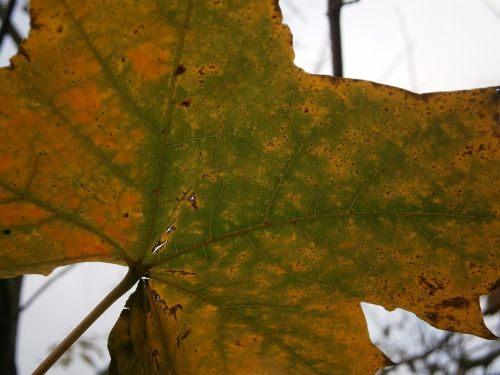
(128, 281)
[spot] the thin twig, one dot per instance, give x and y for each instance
(491, 8)
(391, 67)
(15, 314)
(408, 45)
(6, 24)
(411, 361)
(43, 288)
(296, 11)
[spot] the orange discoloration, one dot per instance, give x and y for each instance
(74, 242)
(5, 194)
(87, 242)
(121, 226)
(123, 157)
(132, 200)
(21, 213)
(6, 162)
(86, 98)
(149, 61)
(84, 66)
(92, 209)
(24, 119)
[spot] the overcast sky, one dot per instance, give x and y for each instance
(421, 45)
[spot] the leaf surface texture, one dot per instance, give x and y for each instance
(277, 200)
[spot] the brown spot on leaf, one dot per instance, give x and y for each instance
(186, 334)
(183, 337)
(456, 302)
(432, 316)
(433, 286)
(23, 52)
(495, 286)
(180, 70)
(173, 310)
(155, 354)
(182, 272)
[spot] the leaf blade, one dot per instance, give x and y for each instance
(276, 196)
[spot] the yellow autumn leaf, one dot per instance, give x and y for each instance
(259, 204)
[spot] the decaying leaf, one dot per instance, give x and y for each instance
(262, 203)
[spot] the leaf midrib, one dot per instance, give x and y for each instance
(311, 218)
(165, 133)
(140, 114)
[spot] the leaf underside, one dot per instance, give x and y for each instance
(286, 198)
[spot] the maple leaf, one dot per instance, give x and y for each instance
(260, 204)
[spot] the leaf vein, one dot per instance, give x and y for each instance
(119, 88)
(77, 221)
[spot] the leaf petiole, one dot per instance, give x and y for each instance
(128, 282)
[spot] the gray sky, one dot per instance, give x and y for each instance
(453, 44)
(422, 45)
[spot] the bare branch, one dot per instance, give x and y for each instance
(484, 361)
(410, 362)
(334, 7)
(7, 27)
